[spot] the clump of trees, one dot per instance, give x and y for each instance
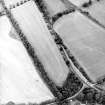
(91, 96)
(71, 86)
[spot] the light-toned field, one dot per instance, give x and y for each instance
(11, 2)
(19, 80)
(86, 40)
(54, 6)
(78, 2)
(97, 11)
(34, 28)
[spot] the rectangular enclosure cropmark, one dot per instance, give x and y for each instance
(19, 80)
(86, 40)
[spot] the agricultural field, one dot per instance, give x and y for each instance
(17, 73)
(52, 52)
(86, 42)
(96, 10)
(54, 6)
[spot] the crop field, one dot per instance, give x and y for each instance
(17, 73)
(86, 42)
(52, 52)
